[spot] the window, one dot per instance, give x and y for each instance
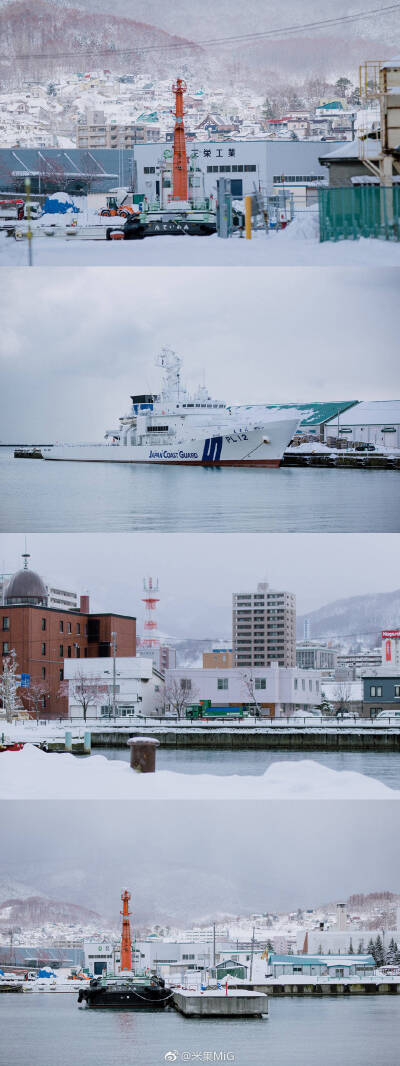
(69, 651)
(43, 702)
(43, 649)
(186, 684)
(43, 672)
(61, 651)
(43, 623)
(6, 647)
(78, 652)
(310, 685)
(260, 682)
(78, 627)
(6, 623)
(303, 684)
(375, 690)
(69, 627)
(61, 674)
(222, 683)
(296, 683)
(250, 167)
(149, 170)
(61, 627)
(397, 690)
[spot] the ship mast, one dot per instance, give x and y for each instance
(179, 164)
(126, 944)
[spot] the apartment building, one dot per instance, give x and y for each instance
(96, 131)
(264, 627)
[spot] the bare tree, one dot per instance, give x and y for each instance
(178, 696)
(34, 697)
(342, 696)
(249, 684)
(87, 691)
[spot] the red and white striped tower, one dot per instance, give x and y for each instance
(150, 637)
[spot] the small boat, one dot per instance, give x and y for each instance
(126, 992)
(16, 746)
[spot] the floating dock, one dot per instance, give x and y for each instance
(221, 1004)
(343, 460)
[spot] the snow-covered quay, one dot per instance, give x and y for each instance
(34, 774)
(298, 245)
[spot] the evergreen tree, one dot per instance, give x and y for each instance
(379, 955)
(371, 948)
(361, 948)
(392, 953)
(351, 949)
(342, 86)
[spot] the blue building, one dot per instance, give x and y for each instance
(381, 692)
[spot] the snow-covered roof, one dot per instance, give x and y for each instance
(374, 412)
(351, 150)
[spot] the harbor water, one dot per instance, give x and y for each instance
(83, 497)
(383, 766)
(50, 1030)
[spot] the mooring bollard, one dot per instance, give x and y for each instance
(68, 740)
(87, 743)
(143, 754)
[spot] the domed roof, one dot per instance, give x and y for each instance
(26, 587)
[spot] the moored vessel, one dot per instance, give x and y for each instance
(176, 427)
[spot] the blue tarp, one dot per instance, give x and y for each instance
(46, 973)
(52, 206)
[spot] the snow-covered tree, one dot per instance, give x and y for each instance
(9, 685)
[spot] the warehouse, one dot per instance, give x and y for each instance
(374, 422)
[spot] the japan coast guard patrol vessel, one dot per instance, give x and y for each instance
(176, 427)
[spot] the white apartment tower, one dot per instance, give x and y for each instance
(264, 627)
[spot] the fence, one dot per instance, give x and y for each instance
(359, 211)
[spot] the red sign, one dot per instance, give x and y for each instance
(388, 651)
(391, 634)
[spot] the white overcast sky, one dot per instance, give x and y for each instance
(199, 572)
(193, 861)
(75, 343)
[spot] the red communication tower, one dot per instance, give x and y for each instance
(126, 945)
(150, 638)
(179, 165)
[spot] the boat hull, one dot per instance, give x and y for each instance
(261, 447)
(106, 999)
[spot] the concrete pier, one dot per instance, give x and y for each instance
(262, 739)
(320, 988)
(216, 1004)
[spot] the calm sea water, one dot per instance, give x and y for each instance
(46, 1030)
(74, 497)
(382, 766)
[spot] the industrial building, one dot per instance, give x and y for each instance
(322, 965)
(133, 687)
(275, 690)
(261, 163)
(44, 637)
(375, 422)
(264, 627)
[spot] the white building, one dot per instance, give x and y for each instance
(390, 647)
(315, 655)
(101, 956)
(277, 690)
(139, 687)
(374, 422)
(262, 163)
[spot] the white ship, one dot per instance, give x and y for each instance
(177, 427)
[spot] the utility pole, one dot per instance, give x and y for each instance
(214, 944)
(114, 686)
(252, 956)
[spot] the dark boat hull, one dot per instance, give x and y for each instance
(131, 999)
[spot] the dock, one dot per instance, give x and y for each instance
(257, 738)
(346, 460)
(321, 987)
(221, 1004)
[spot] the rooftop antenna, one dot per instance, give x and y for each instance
(26, 556)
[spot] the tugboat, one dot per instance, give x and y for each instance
(126, 990)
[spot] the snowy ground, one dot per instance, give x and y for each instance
(34, 774)
(298, 245)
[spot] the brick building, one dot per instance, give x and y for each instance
(44, 636)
